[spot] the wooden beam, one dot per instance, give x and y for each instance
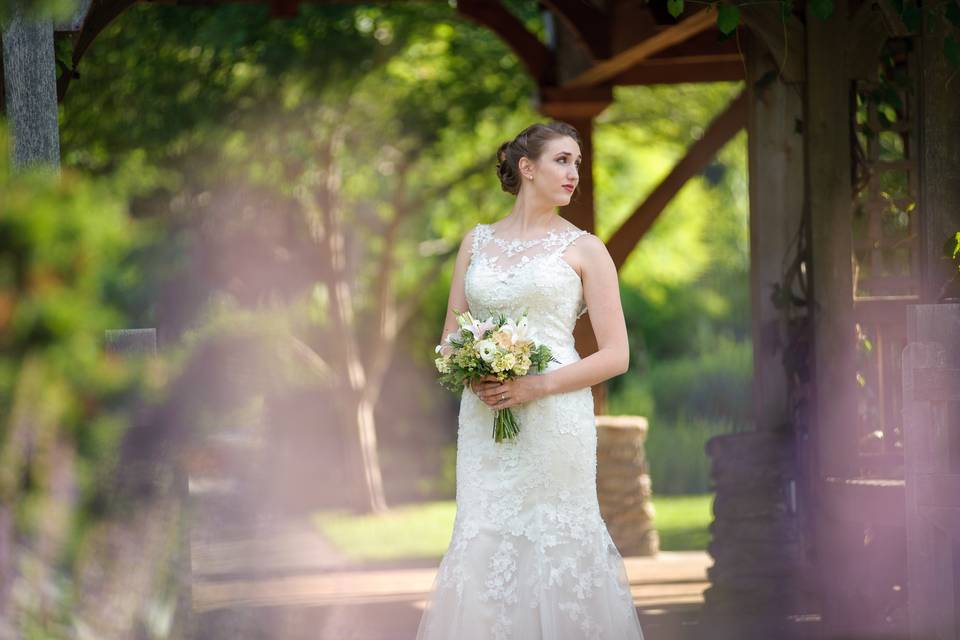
(590, 25)
(860, 500)
(609, 69)
(494, 16)
(700, 58)
(101, 14)
(565, 104)
(624, 240)
(702, 44)
(284, 8)
(721, 68)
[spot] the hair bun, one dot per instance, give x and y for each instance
(507, 170)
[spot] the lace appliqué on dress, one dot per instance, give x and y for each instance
(511, 256)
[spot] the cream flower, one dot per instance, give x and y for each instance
(504, 361)
(518, 331)
(486, 349)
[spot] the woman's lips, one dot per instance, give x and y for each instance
(568, 187)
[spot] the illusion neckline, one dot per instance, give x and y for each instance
(552, 232)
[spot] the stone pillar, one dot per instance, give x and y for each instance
(30, 89)
(756, 543)
(623, 484)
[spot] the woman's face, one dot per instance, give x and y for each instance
(556, 173)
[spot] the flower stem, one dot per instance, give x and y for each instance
(505, 426)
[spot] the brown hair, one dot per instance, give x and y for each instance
(530, 143)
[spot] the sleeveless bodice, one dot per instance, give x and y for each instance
(513, 276)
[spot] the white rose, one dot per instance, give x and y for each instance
(486, 349)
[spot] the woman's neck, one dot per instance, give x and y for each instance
(529, 218)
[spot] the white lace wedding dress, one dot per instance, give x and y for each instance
(530, 557)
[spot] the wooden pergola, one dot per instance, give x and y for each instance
(853, 141)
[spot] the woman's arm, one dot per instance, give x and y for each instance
(601, 292)
(457, 298)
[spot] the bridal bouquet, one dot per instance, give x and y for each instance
(496, 346)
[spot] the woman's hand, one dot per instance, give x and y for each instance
(509, 393)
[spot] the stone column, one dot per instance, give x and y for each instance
(623, 484)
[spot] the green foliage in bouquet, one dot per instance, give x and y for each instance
(497, 346)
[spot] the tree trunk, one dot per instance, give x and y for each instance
(30, 92)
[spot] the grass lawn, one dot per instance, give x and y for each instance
(423, 530)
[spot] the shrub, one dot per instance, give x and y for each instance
(676, 456)
(714, 385)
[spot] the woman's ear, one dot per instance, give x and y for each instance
(525, 165)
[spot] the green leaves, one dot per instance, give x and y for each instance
(675, 7)
(954, 252)
(822, 9)
(728, 16)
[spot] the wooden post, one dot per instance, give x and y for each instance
(30, 88)
(839, 542)
(775, 167)
(578, 108)
(939, 125)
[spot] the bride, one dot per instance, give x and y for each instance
(530, 557)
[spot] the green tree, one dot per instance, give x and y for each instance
(365, 130)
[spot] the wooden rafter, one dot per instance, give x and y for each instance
(720, 131)
(609, 69)
(101, 14)
(589, 24)
(726, 67)
(700, 58)
(494, 16)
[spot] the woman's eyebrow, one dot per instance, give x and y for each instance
(567, 153)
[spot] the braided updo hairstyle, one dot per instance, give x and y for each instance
(530, 143)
